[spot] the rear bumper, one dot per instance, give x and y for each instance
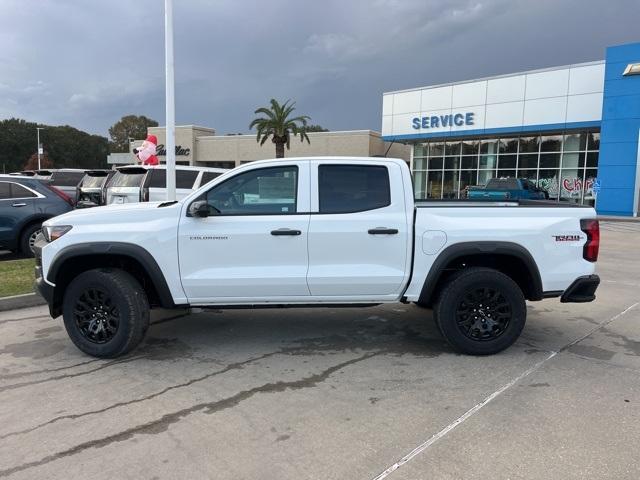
(583, 289)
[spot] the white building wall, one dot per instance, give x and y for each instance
(552, 96)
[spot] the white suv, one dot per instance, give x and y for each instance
(142, 183)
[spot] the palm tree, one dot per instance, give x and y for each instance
(279, 126)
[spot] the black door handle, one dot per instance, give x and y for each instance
(285, 231)
(383, 231)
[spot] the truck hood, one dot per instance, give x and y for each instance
(128, 213)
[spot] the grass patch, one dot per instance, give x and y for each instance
(16, 277)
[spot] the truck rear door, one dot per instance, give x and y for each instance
(359, 230)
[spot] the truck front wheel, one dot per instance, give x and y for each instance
(481, 311)
(106, 312)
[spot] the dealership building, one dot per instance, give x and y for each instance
(200, 146)
(573, 129)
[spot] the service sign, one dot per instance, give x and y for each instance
(443, 121)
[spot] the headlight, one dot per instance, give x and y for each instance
(55, 232)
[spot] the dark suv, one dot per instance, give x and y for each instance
(26, 202)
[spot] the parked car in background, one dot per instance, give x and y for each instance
(91, 190)
(43, 174)
(67, 179)
(139, 183)
(26, 202)
(508, 189)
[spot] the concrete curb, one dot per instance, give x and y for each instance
(21, 301)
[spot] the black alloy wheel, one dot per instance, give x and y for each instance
(483, 314)
(96, 315)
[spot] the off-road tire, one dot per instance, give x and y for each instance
(494, 324)
(117, 299)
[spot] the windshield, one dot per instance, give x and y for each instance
(93, 181)
(127, 179)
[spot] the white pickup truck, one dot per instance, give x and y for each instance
(315, 232)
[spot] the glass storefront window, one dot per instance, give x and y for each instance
(420, 185)
(508, 145)
(450, 185)
(548, 180)
(506, 173)
(488, 161)
(551, 143)
(467, 178)
(588, 197)
(529, 160)
(549, 160)
(470, 147)
(530, 174)
(434, 185)
(572, 160)
(489, 146)
(469, 162)
(565, 167)
(436, 149)
(571, 183)
(435, 164)
(451, 163)
(574, 142)
(529, 144)
(485, 175)
(452, 148)
(419, 163)
(420, 150)
(507, 161)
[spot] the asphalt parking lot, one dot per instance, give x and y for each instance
(334, 394)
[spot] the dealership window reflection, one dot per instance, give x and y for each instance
(565, 165)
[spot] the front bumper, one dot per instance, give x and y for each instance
(42, 287)
(583, 289)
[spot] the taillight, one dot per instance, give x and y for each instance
(61, 194)
(592, 228)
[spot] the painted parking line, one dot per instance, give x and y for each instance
(476, 408)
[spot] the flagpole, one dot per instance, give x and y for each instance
(170, 109)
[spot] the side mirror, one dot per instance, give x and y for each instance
(200, 208)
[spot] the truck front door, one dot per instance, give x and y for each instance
(253, 246)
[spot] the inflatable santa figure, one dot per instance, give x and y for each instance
(146, 153)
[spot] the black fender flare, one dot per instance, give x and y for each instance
(458, 250)
(135, 252)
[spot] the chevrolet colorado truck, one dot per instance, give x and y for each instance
(315, 232)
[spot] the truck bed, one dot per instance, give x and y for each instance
(480, 202)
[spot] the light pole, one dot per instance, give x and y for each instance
(39, 147)
(170, 111)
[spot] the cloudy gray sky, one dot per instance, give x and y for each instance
(86, 63)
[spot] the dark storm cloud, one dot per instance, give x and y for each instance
(88, 62)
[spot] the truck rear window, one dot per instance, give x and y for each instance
(66, 179)
(503, 184)
(126, 179)
(353, 188)
(93, 181)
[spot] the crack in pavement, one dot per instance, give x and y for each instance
(68, 375)
(9, 376)
(232, 366)
(162, 424)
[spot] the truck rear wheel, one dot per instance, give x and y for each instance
(106, 312)
(480, 311)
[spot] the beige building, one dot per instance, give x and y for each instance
(200, 146)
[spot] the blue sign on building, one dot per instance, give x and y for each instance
(438, 121)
